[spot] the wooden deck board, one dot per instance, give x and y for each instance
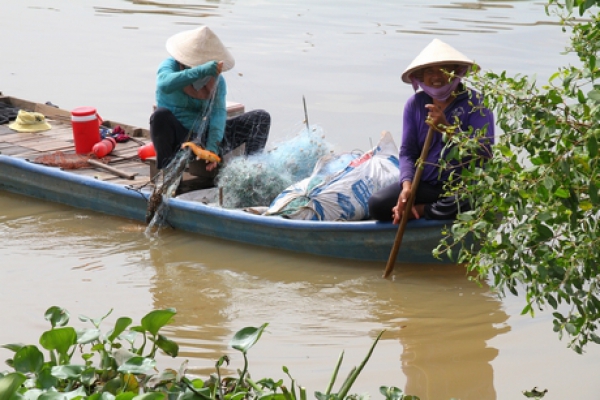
(5, 130)
(59, 138)
(51, 146)
(18, 137)
(18, 151)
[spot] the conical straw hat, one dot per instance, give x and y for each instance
(198, 46)
(436, 53)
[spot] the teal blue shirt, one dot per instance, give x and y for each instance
(169, 94)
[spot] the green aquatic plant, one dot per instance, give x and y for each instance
(116, 364)
(120, 365)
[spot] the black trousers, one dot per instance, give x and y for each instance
(436, 206)
(167, 133)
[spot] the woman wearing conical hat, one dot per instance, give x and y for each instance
(441, 101)
(190, 85)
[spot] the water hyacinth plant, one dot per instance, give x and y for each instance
(74, 364)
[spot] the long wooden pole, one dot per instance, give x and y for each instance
(118, 172)
(409, 205)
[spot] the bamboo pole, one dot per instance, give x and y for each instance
(409, 204)
(115, 171)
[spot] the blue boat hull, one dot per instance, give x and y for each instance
(361, 240)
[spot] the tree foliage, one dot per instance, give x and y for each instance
(535, 227)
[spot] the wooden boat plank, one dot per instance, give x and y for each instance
(30, 139)
(128, 145)
(51, 146)
(103, 175)
(17, 151)
(123, 151)
(133, 167)
(63, 132)
(127, 164)
(132, 160)
(44, 143)
(5, 130)
(21, 137)
(106, 176)
(125, 155)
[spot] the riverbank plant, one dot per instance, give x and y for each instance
(74, 364)
(536, 218)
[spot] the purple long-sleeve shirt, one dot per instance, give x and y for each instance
(467, 107)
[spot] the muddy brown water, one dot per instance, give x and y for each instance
(445, 336)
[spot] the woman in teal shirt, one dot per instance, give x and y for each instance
(189, 86)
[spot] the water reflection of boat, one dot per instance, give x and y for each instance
(440, 328)
(446, 349)
(124, 188)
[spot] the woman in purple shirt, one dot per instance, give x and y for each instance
(445, 104)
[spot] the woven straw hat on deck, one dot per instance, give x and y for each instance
(30, 122)
(436, 53)
(198, 46)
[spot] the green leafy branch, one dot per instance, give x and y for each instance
(535, 222)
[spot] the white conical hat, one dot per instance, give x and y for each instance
(436, 53)
(198, 46)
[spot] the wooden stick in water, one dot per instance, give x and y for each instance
(409, 205)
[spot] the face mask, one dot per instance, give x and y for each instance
(439, 93)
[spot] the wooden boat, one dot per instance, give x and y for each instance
(102, 190)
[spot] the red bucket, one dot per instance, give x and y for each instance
(86, 129)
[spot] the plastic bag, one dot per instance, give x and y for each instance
(340, 186)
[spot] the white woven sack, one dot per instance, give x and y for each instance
(344, 194)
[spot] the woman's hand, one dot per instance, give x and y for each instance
(398, 210)
(211, 165)
(205, 91)
(436, 118)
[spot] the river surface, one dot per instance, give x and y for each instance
(445, 336)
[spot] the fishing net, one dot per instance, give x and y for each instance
(64, 160)
(258, 179)
(158, 202)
